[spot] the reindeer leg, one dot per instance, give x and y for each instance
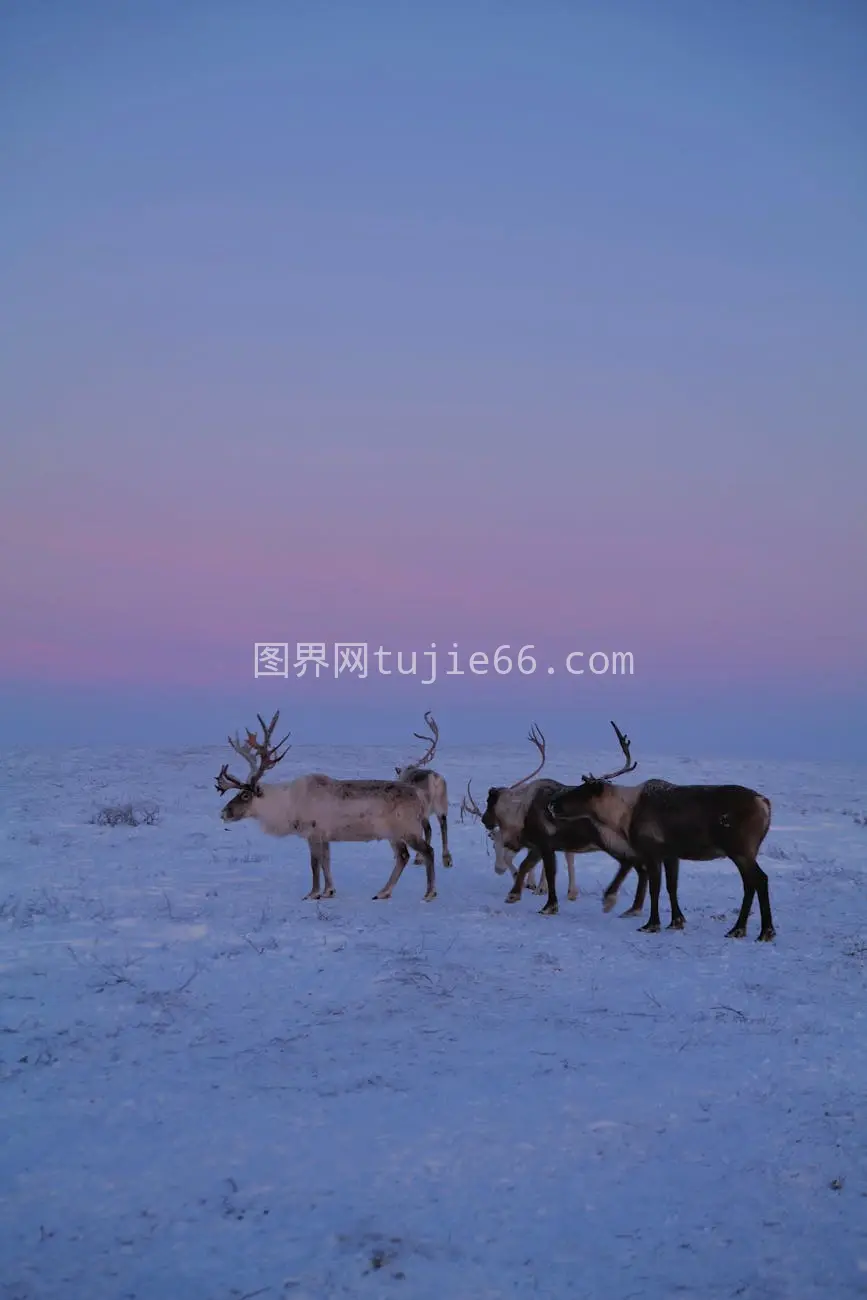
(755, 881)
(672, 869)
(533, 858)
(514, 894)
(316, 891)
(654, 877)
(329, 891)
(530, 861)
(767, 932)
(401, 858)
(609, 897)
(570, 867)
(549, 861)
(640, 893)
(739, 929)
(542, 887)
(444, 832)
(428, 859)
(637, 905)
(427, 839)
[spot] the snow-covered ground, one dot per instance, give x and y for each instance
(210, 1089)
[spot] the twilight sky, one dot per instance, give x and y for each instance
(479, 323)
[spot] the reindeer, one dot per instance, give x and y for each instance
(582, 837)
(504, 817)
(504, 813)
(657, 824)
(432, 786)
(324, 811)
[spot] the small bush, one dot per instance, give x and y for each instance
(126, 814)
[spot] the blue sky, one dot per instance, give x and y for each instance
(478, 322)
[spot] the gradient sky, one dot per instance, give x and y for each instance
(458, 322)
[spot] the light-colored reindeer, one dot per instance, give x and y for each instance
(432, 786)
(508, 805)
(324, 811)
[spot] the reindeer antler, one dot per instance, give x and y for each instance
(260, 756)
(269, 755)
(536, 738)
(225, 781)
(469, 805)
(629, 765)
(433, 738)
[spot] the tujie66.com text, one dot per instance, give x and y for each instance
(355, 659)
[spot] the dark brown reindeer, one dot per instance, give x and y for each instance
(579, 835)
(504, 816)
(658, 823)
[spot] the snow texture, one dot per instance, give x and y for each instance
(211, 1090)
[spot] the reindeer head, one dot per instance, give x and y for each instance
(260, 756)
(489, 816)
(469, 805)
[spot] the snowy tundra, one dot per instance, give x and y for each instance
(212, 1089)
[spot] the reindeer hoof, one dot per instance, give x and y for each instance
(381, 896)
(737, 932)
(650, 928)
(677, 923)
(512, 897)
(550, 909)
(429, 897)
(572, 895)
(328, 893)
(767, 936)
(608, 904)
(314, 895)
(631, 911)
(447, 860)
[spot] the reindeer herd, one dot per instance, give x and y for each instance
(647, 828)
